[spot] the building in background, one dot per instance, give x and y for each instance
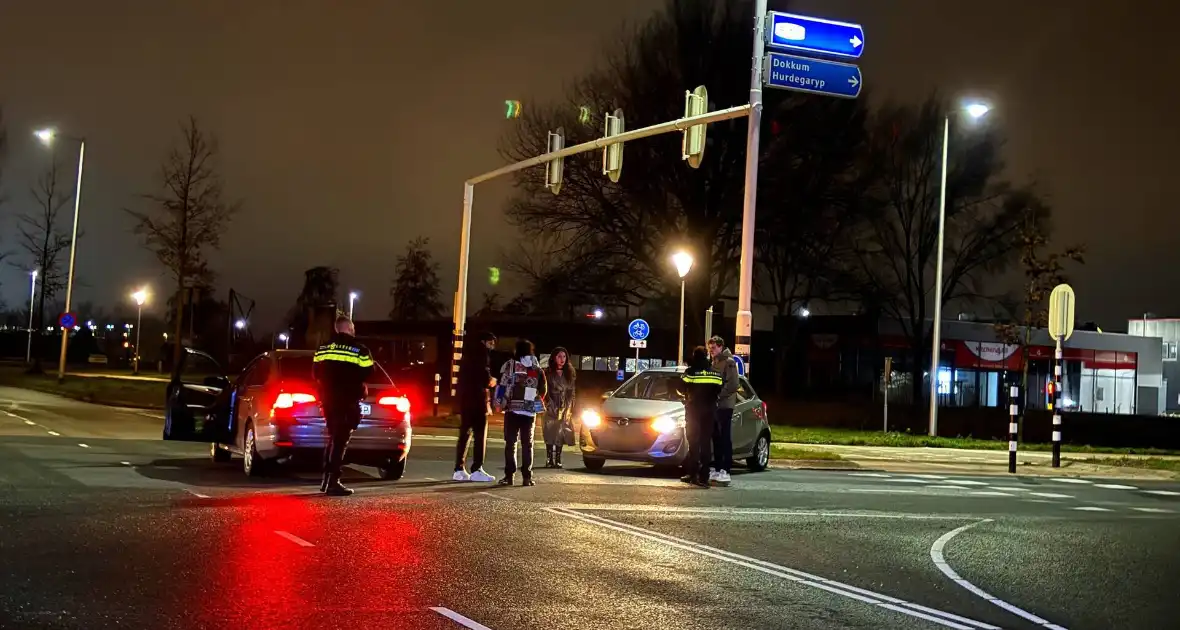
(1167, 332)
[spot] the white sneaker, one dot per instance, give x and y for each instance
(713, 474)
(723, 478)
(480, 475)
(461, 475)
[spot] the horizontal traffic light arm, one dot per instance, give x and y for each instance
(679, 124)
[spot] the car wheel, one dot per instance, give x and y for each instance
(252, 463)
(218, 454)
(593, 463)
(391, 468)
(761, 458)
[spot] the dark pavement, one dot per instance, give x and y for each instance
(103, 525)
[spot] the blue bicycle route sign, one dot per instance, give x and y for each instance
(815, 35)
(638, 329)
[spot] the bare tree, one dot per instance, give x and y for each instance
(3, 156)
(415, 290)
(895, 250)
(187, 218)
(44, 240)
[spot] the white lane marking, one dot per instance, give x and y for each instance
(941, 487)
(990, 493)
(1152, 510)
(83, 445)
(54, 433)
(934, 477)
(863, 474)
(125, 463)
(1051, 495)
(940, 561)
(459, 619)
(30, 423)
(148, 415)
(13, 415)
(293, 538)
(884, 490)
(195, 493)
(594, 507)
(942, 618)
(1071, 480)
(1009, 489)
(1092, 508)
(1114, 486)
(903, 480)
(1163, 493)
(965, 482)
(430, 479)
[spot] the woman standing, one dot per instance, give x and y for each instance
(559, 410)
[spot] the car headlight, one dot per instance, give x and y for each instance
(666, 424)
(591, 419)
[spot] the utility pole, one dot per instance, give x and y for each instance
(745, 315)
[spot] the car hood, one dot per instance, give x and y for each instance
(639, 408)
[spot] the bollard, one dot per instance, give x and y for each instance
(1057, 406)
(437, 378)
(1013, 412)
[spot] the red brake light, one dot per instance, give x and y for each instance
(400, 402)
(764, 409)
(287, 400)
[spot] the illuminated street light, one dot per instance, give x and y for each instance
(683, 261)
(352, 302)
(804, 312)
(975, 110)
(597, 313)
(32, 294)
(47, 136)
(240, 324)
(286, 339)
(140, 297)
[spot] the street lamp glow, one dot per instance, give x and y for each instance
(282, 336)
(977, 110)
(240, 324)
(352, 296)
(597, 313)
(45, 135)
(683, 262)
(804, 312)
(140, 296)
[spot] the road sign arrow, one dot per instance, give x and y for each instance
(855, 41)
(853, 81)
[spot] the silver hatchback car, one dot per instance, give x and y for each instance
(643, 421)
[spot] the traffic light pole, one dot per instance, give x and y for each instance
(745, 314)
(680, 124)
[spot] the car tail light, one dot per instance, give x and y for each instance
(286, 400)
(400, 402)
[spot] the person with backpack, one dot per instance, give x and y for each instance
(520, 394)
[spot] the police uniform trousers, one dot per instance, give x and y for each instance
(698, 429)
(342, 419)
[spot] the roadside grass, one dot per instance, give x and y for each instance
(783, 451)
(103, 391)
(1144, 463)
(853, 437)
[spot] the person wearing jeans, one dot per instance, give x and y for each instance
(724, 365)
(520, 394)
(475, 382)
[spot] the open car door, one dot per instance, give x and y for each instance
(197, 405)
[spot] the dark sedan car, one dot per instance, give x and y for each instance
(270, 413)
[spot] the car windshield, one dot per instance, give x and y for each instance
(651, 386)
(299, 368)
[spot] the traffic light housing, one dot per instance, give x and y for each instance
(554, 168)
(512, 109)
(612, 154)
(692, 145)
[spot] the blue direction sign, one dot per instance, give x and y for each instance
(815, 35)
(803, 74)
(638, 329)
(741, 365)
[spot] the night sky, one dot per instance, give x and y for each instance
(347, 128)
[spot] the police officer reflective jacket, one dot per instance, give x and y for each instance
(341, 368)
(700, 387)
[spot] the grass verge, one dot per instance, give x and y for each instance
(1145, 463)
(103, 391)
(852, 437)
(783, 451)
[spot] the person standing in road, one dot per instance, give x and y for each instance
(520, 394)
(724, 365)
(475, 383)
(559, 406)
(341, 368)
(699, 385)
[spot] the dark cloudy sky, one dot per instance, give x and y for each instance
(347, 128)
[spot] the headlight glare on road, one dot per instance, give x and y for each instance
(591, 419)
(666, 424)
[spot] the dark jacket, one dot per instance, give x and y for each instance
(475, 371)
(700, 387)
(724, 365)
(341, 368)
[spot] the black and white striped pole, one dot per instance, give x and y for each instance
(437, 378)
(1013, 415)
(1061, 315)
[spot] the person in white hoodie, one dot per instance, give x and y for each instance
(520, 393)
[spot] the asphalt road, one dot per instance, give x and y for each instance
(102, 525)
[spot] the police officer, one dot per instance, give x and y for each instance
(700, 386)
(341, 368)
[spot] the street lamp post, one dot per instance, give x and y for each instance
(140, 297)
(352, 302)
(32, 294)
(47, 136)
(975, 111)
(283, 337)
(683, 262)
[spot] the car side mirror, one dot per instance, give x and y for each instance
(219, 382)
(607, 394)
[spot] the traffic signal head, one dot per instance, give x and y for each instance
(511, 109)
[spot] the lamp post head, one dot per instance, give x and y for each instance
(45, 135)
(140, 296)
(977, 110)
(34, 274)
(240, 324)
(282, 336)
(683, 262)
(353, 295)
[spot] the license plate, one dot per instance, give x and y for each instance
(366, 409)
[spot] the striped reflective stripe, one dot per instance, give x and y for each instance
(343, 357)
(707, 379)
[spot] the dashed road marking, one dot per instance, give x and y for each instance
(1163, 493)
(1010, 489)
(83, 445)
(30, 423)
(54, 433)
(869, 474)
(1152, 510)
(941, 487)
(884, 490)
(196, 494)
(1051, 495)
(965, 482)
(1071, 480)
(1114, 486)
(125, 463)
(1092, 508)
(990, 493)
(459, 619)
(293, 538)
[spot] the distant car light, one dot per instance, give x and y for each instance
(591, 419)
